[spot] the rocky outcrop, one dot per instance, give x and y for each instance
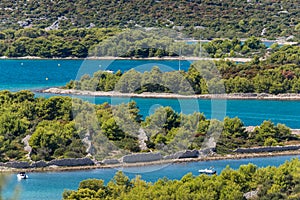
(251, 194)
(141, 157)
(207, 151)
(268, 149)
(27, 146)
(142, 137)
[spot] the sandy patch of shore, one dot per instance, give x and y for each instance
(129, 58)
(254, 96)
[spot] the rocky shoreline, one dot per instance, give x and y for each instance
(145, 159)
(241, 96)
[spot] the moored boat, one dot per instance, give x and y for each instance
(207, 171)
(22, 175)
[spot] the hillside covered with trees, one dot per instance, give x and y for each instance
(267, 183)
(207, 18)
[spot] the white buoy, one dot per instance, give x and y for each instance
(58, 65)
(22, 64)
(46, 78)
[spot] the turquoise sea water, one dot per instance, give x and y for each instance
(251, 112)
(50, 185)
(37, 74)
(32, 74)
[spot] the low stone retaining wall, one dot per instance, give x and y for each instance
(183, 154)
(268, 149)
(110, 161)
(72, 162)
(17, 164)
(61, 162)
(141, 157)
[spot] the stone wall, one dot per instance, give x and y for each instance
(110, 161)
(60, 162)
(141, 157)
(71, 162)
(183, 154)
(17, 164)
(268, 149)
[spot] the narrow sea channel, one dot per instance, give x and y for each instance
(50, 185)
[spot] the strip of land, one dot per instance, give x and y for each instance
(254, 96)
(160, 162)
(130, 58)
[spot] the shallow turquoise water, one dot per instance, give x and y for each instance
(50, 185)
(37, 74)
(251, 112)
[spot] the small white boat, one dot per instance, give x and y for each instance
(22, 175)
(207, 171)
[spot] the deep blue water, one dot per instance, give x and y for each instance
(50, 185)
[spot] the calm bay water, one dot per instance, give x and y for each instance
(50, 185)
(32, 74)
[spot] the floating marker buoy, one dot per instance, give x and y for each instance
(46, 78)
(22, 63)
(58, 65)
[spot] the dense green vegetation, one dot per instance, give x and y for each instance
(210, 19)
(140, 43)
(220, 48)
(178, 131)
(47, 120)
(273, 183)
(53, 43)
(279, 73)
(57, 126)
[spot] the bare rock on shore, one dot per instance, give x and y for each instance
(142, 137)
(27, 146)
